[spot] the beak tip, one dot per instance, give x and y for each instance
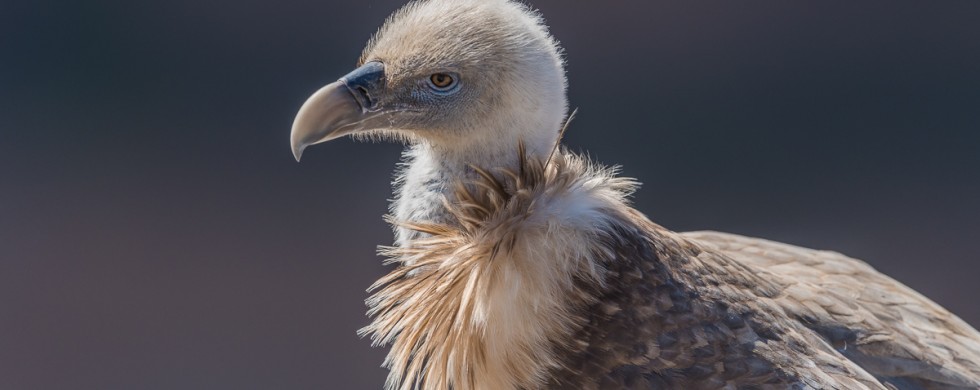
(328, 114)
(298, 152)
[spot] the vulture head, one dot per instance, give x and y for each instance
(468, 78)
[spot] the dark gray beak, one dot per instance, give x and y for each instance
(340, 108)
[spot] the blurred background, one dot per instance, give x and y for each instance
(155, 232)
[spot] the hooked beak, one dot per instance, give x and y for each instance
(340, 108)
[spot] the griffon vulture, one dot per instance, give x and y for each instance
(523, 266)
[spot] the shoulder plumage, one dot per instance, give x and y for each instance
(891, 331)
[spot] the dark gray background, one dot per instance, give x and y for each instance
(155, 232)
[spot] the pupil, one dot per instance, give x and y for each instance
(441, 80)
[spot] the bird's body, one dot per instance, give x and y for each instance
(616, 301)
(522, 266)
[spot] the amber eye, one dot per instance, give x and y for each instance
(442, 82)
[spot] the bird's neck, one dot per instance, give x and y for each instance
(431, 170)
(492, 297)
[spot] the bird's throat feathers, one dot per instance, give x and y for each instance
(429, 172)
(484, 297)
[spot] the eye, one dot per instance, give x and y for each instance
(442, 82)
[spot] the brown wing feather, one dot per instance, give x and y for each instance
(891, 331)
(675, 315)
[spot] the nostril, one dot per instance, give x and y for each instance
(363, 92)
(364, 82)
(361, 96)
